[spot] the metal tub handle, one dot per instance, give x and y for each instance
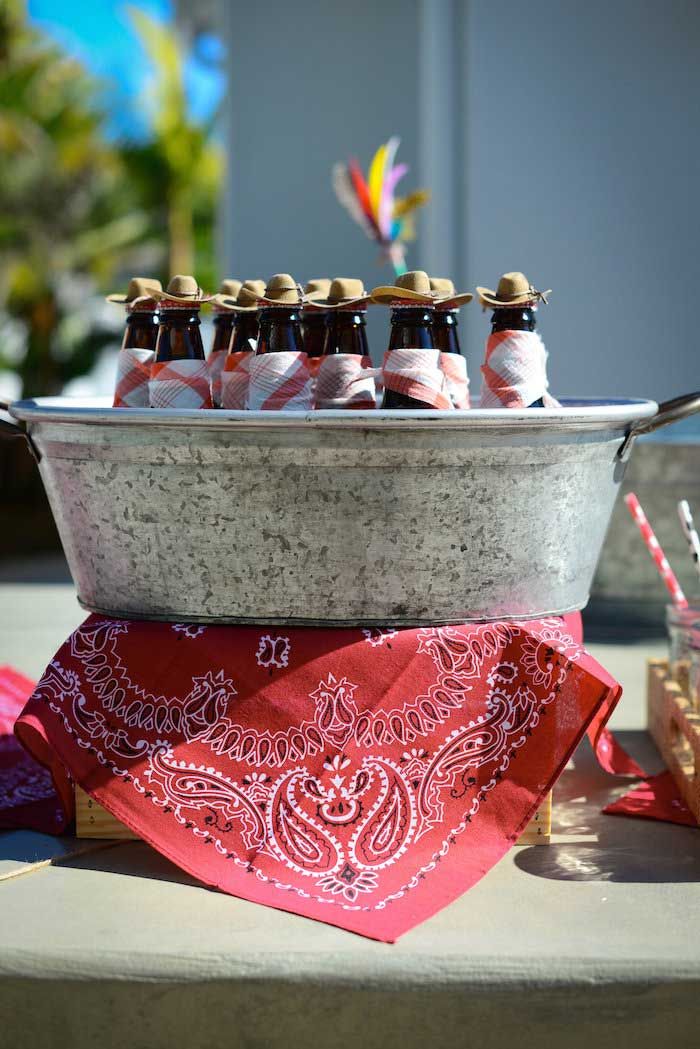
(669, 412)
(13, 429)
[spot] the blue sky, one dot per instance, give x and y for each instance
(99, 33)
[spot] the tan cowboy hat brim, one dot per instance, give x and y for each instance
(184, 300)
(223, 302)
(453, 302)
(263, 302)
(122, 300)
(390, 293)
(488, 297)
(315, 302)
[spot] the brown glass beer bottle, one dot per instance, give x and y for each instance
(346, 331)
(280, 316)
(245, 328)
(514, 305)
(314, 322)
(445, 318)
(141, 323)
(412, 305)
(224, 319)
(179, 335)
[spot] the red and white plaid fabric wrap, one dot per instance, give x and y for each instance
(515, 371)
(454, 368)
(215, 364)
(416, 373)
(280, 381)
(345, 380)
(235, 379)
(180, 384)
(133, 373)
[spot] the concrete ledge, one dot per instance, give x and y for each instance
(221, 1015)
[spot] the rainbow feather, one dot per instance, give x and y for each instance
(345, 193)
(375, 180)
(372, 202)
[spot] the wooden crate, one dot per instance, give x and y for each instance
(92, 821)
(674, 725)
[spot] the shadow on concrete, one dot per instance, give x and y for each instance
(623, 621)
(134, 859)
(612, 848)
(43, 568)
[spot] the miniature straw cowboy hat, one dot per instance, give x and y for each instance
(227, 297)
(514, 289)
(139, 288)
(343, 292)
(447, 298)
(413, 286)
(317, 288)
(228, 289)
(281, 290)
(184, 289)
(247, 299)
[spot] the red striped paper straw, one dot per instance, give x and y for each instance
(654, 548)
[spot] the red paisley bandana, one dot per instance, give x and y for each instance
(365, 778)
(27, 793)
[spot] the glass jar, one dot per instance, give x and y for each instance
(694, 691)
(681, 623)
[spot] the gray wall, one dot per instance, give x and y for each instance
(310, 84)
(558, 137)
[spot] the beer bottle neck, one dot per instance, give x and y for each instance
(412, 328)
(179, 337)
(518, 318)
(224, 321)
(445, 333)
(280, 330)
(245, 328)
(141, 330)
(314, 324)
(346, 333)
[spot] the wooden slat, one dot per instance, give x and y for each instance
(539, 829)
(92, 821)
(674, 724)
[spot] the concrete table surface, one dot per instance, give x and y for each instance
(591, 941)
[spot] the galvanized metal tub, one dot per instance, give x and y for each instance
(345, 517)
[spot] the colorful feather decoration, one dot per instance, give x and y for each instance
(372, 202)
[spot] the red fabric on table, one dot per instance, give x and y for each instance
(654, 798)
(365, 778)
(28, 798)
(610, 753)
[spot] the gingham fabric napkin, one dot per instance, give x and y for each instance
(280, 381)
(515, 371)
(180, 384)
(235, 380)
(345, 380)
(215, 365)
(133, 375)
(454, 368)
(416, 373)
